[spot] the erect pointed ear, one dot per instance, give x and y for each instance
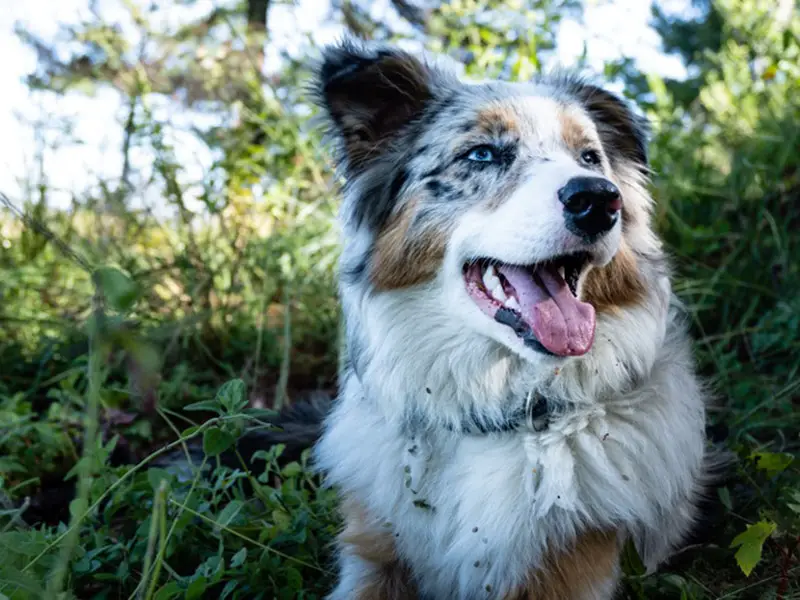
(622, 132)
(371, 93)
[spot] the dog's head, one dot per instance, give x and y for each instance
(514, 208)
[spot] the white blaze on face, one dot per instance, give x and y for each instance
(528, 227)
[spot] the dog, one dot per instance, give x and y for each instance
(518, 397)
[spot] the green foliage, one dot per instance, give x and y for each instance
(220, 531)
(750, 543)
(728, 198)
(129, 332)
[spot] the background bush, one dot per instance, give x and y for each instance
(163, 315)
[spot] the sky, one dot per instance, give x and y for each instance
(610, 29)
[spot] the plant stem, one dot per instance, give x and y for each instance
(77, 506)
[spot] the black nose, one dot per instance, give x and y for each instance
(591, 205)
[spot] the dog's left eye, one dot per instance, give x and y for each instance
(482, 154)
(590, 157)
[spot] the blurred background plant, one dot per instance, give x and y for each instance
(166, 285)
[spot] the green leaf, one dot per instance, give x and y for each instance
(216, 441)
(292, 469)
(155, 476)
(119, 290)
(197, 588)
(232, 395)
(228, 589)
(8, 465)
(674, 580)
(78, 507)
(772, 462)
(204, 405)
(229, 513)
(85, 565)
(239, 558)
(632, 563)
(189, 431)
(293, 579)
(169, 591)
(751, 542)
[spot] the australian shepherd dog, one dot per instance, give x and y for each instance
(517, 395)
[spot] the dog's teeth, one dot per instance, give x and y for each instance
(490, 279)
(562, 271)
(512, 303)
(498, 292)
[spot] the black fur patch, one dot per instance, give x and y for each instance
(370, 94)
(421, 150)
(375, 204)
(378, 101)
(434, 172)
(398, 181)
(442, 191)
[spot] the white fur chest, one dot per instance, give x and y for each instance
(473, 515)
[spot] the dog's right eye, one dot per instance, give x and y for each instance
(482, 154)
(591, 157)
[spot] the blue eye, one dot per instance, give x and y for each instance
(481, 154)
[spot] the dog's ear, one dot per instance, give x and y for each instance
(370, 94)
(623, 133)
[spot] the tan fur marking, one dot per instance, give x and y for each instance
(616, 285)
(400, 261)
(390, 582)
(363, 536)
(498, 119)
(573, 132)
(579, 572)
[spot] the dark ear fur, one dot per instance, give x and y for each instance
(623, 133)
(370, 93)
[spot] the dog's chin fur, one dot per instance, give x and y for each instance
(443, 499)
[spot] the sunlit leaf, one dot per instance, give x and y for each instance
(772, 462)
(750, 543)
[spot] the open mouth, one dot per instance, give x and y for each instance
(539, 302)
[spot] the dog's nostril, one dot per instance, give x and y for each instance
(579, 203)
(591, 205)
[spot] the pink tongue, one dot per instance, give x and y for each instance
(562, 323)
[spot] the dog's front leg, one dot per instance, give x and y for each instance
(360, 579)
(369, 568)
